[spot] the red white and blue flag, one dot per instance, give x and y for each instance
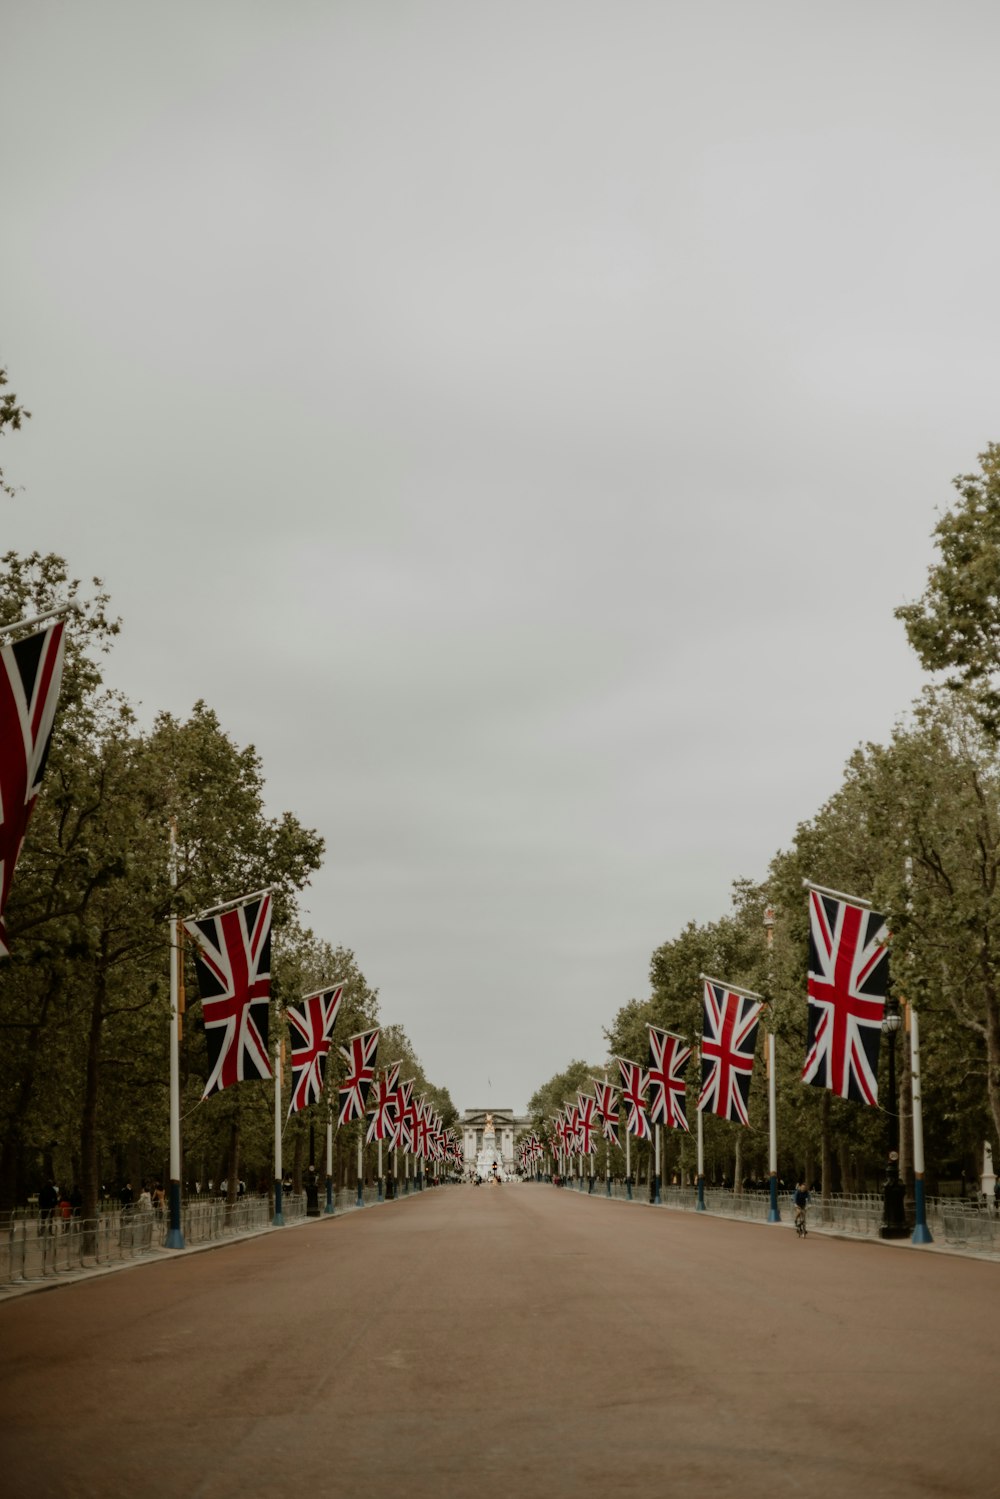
(572, 1129)
(405, 1117)
(728, 1042)
(421, 1136)
(668, 1059)
(633, 1090)
(232, 958)
(30, 678)
(606, 1101)
(382, 1124)
(848, 980)
(585, 1122)
(310, 1026)
(359, 1054)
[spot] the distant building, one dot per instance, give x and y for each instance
(506, 1124)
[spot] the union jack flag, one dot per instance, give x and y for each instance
(310, 1025)
(30, 678)
(633, 1090)
(406, 1119)
(359, 1054)
(606, 1100)
(585, 1122)
(668, 1059)
(848, 978)
(382, 1125)
(729, 1037)
(232, 958)
(422, 1121)
(572, 1132)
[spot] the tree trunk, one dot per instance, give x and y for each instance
(297, 1162)
(90, 1185)
(826, 1154)
(12, 1149)
(738, 1166)
(993, 1058)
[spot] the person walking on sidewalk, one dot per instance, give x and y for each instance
(801, 1199)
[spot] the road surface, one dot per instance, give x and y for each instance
(514, 1341)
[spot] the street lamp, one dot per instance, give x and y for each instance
(893, 1214)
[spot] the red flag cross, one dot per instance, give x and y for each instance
(310, 1024)
(848, 977)
(233, 962)
(668, 1059)
(727, 1051)
(634, 1082)
(585, 1122)
(359, 1054)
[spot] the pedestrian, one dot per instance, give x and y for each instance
(125, 1197)
(801, 1199)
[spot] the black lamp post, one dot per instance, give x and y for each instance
(893, 1211)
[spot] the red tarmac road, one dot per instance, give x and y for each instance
(513, 1341)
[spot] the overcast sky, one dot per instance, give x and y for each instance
(519, 422)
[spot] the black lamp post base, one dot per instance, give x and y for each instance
(894, 1225)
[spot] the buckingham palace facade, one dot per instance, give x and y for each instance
(507, 1126)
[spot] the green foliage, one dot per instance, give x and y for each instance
(12, 414)
(955, 626)
(84, 997)
(547, 1100)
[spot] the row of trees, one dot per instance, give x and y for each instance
(84, 997)
(915, 827)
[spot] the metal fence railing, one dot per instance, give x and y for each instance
(39, 1249)
(964, 1222)
(34, 1248)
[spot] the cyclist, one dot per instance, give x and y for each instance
(801, 1199)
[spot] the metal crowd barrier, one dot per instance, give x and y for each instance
(966, 1222)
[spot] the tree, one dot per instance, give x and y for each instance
(931, 803)
(12, 414)
(955, 626)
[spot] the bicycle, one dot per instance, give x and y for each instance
(800, 1222)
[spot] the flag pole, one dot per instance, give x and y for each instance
(278, 1221)
(656, 1174)
(700, 1205)
(628, 1164)
(773, 1215)
(921, 1233)
(380, 1193)
(329, 1157)
(361, 1181)
(71, 607)
(175, 1235)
